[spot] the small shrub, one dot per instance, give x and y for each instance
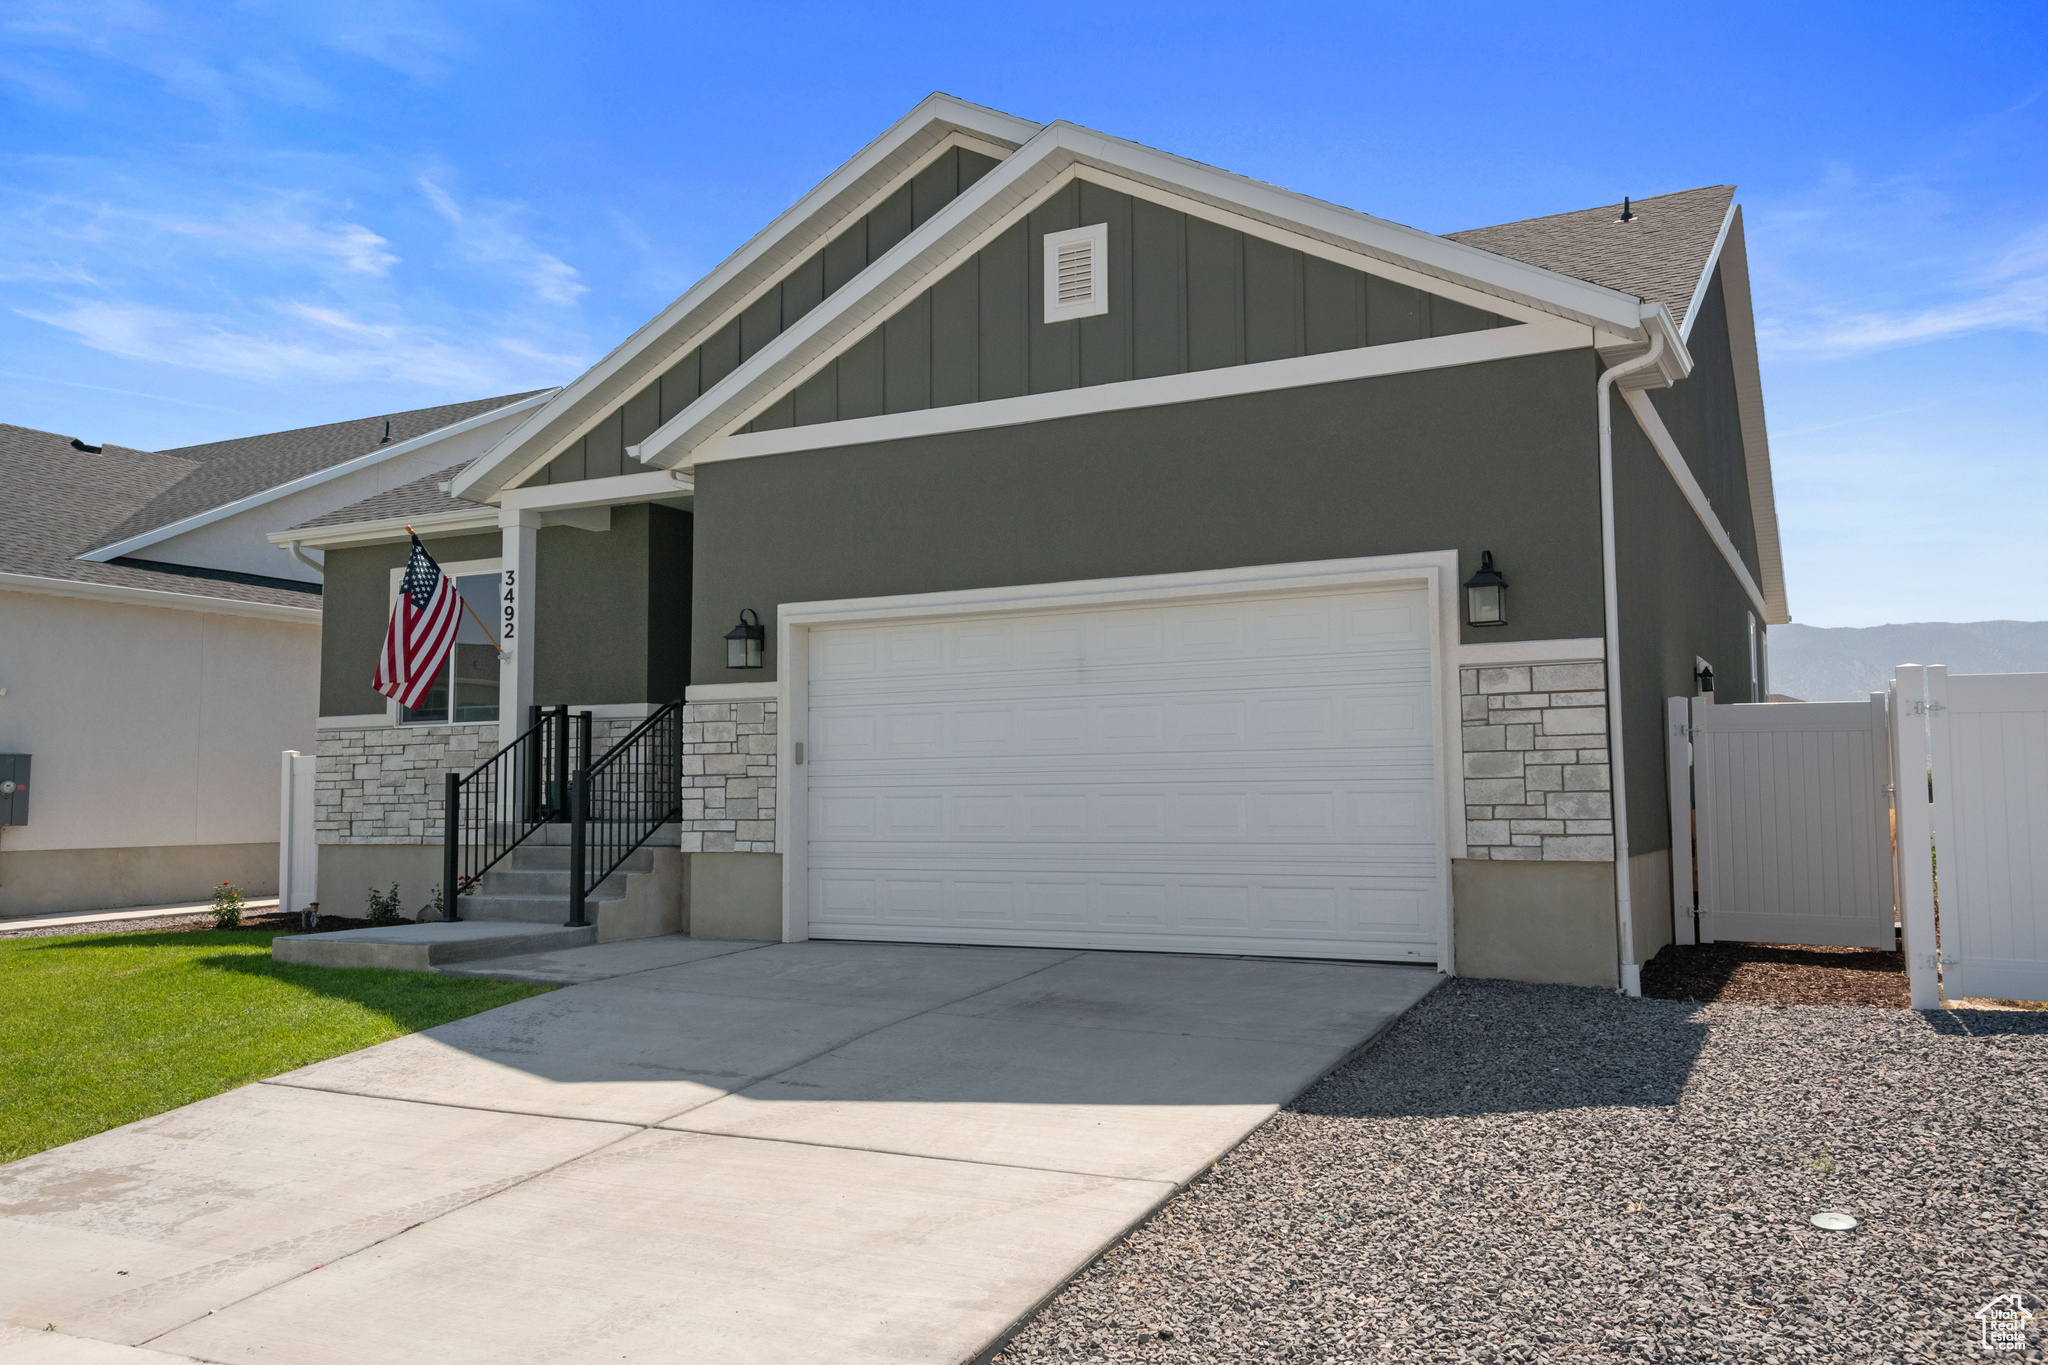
(385, 907)
(228, 901)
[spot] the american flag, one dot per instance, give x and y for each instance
(424, 620)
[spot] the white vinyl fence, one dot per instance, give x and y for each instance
(297, 857)
(1973, 832)
(1793, 809)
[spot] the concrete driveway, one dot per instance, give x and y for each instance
(702, 1151)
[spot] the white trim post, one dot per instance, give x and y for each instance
(1678, 789)
(287, 827)
(1915, 836)
(521, 531)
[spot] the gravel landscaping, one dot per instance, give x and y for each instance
(1537, 1173)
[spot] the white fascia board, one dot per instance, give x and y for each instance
(1034, 173)
(1749, 406)
(1699, 289)
(1402, 357)
(150, 597)
(346, 534)
(870, 175)
(313, 480)
(1681, 473)
(615, 491)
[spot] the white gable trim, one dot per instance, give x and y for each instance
(1120, 395)
(374, 457)
(1699, 290)
(150, 597)
(1733, 260)
(1681, 473)
(873, 173)
(1030, 175)
(1401, 357)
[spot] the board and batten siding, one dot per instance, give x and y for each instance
(1704, 417)
(602, 452)
(1185, 294)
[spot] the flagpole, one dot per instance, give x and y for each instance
(472, 612)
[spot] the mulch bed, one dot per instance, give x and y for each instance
(186, 923)
(1777, 974)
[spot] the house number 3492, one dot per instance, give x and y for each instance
(511, 604)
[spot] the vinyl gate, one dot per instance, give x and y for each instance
(1791, 807)
(1982, 740)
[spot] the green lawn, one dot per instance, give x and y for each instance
(102, 1030)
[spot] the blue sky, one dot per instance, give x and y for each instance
(223, 219)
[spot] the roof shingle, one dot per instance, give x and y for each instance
(1658, 255)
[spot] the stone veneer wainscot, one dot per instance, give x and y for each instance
(1537, 780)
(729, 777)
(383, 784)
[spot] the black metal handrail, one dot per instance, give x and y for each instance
(617, 802)
(497, 805)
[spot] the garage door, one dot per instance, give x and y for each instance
(1253, 775)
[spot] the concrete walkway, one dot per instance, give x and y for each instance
(711, 1152)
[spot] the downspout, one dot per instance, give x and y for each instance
(1631, 972)
(319, 570)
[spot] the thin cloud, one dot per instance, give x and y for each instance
(486, 236)
(305, 342)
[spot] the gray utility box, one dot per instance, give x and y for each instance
(13, 789)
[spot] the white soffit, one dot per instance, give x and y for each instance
(1057, 155)
(863, 181)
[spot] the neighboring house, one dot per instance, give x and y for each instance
(1108, 514)
(157, 653)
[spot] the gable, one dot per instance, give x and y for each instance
(601, 453)
(1185, 294)
(1704, 417)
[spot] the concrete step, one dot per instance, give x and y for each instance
(421, 947)
(528, 909)
(551, 859)
(557, 836)
(525, 881)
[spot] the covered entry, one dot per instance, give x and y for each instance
(1257, 773)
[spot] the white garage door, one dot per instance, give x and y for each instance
(1245, 776)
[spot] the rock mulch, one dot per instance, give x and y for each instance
(1778, 974)
(1543, 1173)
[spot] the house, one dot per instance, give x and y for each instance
(1109, 519)
(157, 653)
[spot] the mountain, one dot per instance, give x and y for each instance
(1846, 663)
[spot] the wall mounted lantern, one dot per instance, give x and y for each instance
(1703, 674)
(743, 642)
(1486, 595)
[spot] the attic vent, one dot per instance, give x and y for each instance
(1077, 273)
(77, 444)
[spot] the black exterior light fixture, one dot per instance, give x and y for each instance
(1486, 595)
(743, 642)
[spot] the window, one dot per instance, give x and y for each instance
(471, 673)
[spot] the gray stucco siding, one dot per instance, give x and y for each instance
(611, 611)
(1703, 416)
(1679, 600)
(1500, 456)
